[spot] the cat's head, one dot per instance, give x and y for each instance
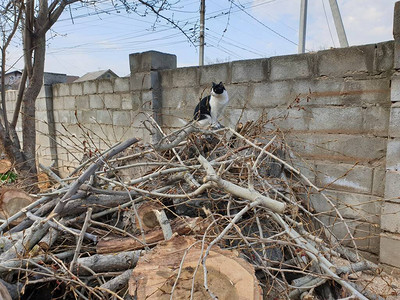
(218, 88)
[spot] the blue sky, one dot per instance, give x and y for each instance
(100, 37)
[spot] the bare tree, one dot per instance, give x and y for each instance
(35, 18)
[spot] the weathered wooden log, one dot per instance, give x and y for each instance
(117, 282)
(173, 268)
(4, 294)
(12, 201)
(179, 225)
(107, 262)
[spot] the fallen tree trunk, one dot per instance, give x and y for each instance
(13, 201)
(167, 272)
(179, 226)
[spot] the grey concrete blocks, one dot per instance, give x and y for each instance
(392, 187)
(112, 101)
(90, 87)
(214, 73)
(151, 60)
(389, 249)
(351, 61)
(182, 77)
(393, 155)
(342, 148)
(104, 117)
(336, 119)
(82, 102)
(290, 67)
(344, 177)
(121, 85)
(76, 88)
(390, 220)
(105, 86)
(122, 118)
(250, 70)
(96, 101)
(394, 122)
(140, 81)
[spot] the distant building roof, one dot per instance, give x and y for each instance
(102, 74)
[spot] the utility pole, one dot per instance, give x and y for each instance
(201, 46)
(303, 25)
(338, 24)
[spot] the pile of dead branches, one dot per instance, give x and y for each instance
(202, 214)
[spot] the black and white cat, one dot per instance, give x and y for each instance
(210, 108)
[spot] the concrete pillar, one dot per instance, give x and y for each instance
(48, 80)
(151, 62)
(389, 253)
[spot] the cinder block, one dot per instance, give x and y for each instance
(82, 102)
(96, 101)
(346, 120)
(393, 155)
(121, 85)
(394, 123)
(350, 61)
(181, 77)
(65, 116)
(40, 104)
(68, 102)
(344, 177)
(151, 60)
(392, 187)
(321, 205)
(357, 206)
(239, 94)
(389, 249)
(214, 73)
(390, 220)
(178, 98)
(104, 117)
(290, 67)
(332, 147)
(121, 118)
(112, 101)
(90, 87)
(290, 119)
(250, 70)
(376, 120)
(272, 94)
(361, 231)
(126, 102)
(88, 116)
(140, 81)
(76, 88)
(105, 86)
(61, 89)
(378, 185)
(58, 103)
(384, 57)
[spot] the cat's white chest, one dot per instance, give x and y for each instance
(217, 104)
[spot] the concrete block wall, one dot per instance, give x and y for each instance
(90, 116)
(339, 127)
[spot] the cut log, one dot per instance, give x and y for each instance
(180, 226)
(147, 216)
(12, 201)
(5, 165)
(228, 276)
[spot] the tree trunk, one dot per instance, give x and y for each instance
(29, 107)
